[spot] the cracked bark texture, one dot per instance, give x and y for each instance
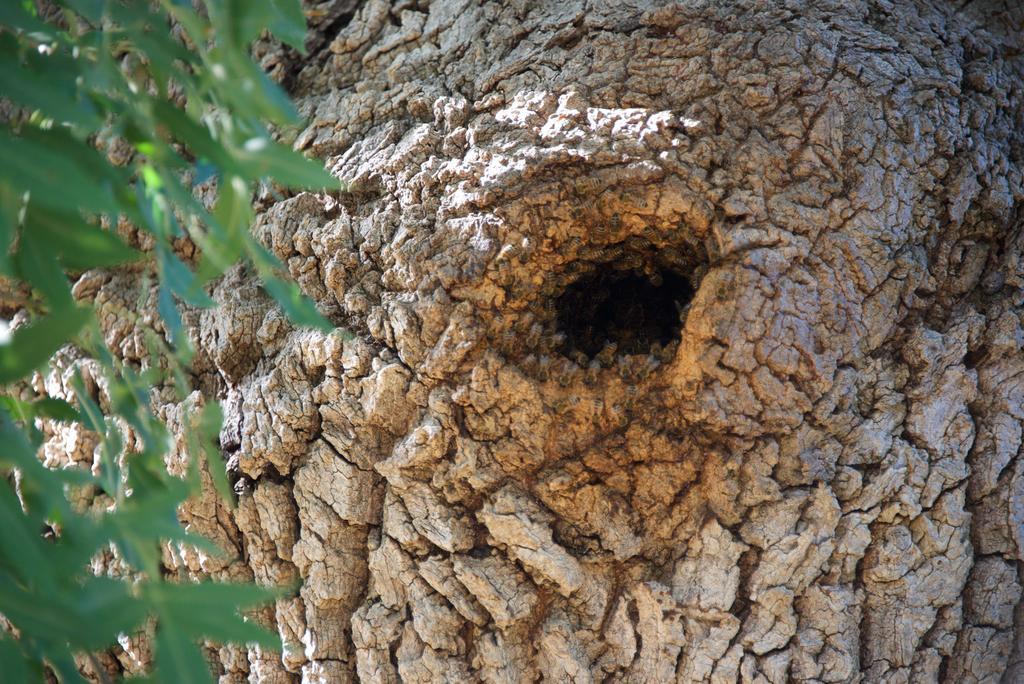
(819, 477)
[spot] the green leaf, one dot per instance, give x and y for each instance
(210, 610)
(283, 18)
(232, 217)
(150, 517)
(227, 228)
(90, 9)
(180, 279)
(33, 344)
(43, 614)
(56, 409)
(210, 422)
(105, 607)
(148, 31)
(37, 264)
(41, 489)
(18, 409)
(289, 23)
(266, 158)
(91, 414)
(246, 88)
(191, 133)
(178, 658)
(63, 663)
(16, 16)
(78, 244)
(13, 663)
(59, 171)
(26, 68)
(11, 203)
(23, 554)
(172, 319)
(195, 25)
(299, 308)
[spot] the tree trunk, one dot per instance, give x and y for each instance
(687, 347)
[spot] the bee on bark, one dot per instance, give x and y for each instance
(544, 367)
(607, 353)
(682, 308)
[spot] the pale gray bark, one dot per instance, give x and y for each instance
(817, 476)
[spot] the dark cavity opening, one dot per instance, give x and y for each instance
(632, 309)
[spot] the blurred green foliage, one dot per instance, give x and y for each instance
(173, 81)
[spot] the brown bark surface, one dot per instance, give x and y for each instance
(687, 348)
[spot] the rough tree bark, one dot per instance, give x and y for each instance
(687, 348)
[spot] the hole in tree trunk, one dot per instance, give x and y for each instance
(632, 309)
